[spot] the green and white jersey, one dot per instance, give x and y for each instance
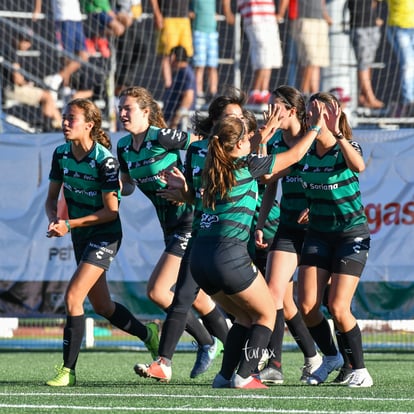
(332, 190)
(194, 165)
(159, 151)
(232, 218)
(292, 201)
(84, 182)
(272, 220)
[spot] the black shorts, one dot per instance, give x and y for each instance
(176, 243)
(288, 239)
(221, 266)
(344, 253)
(100, 252)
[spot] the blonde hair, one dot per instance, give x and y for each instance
(218, 173)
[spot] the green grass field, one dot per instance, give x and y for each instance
(106, 383)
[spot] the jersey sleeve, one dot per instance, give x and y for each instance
(173, 139)
(123, 167)
(108, 171)
(187, 168)
(56, 173)
(357, 147)
(259, 166)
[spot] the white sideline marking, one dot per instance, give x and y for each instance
(224, 397)
(187, 409)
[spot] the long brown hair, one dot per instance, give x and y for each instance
(202, 125)
(146, 101)
(328, 98)
(293, 98)
(93, 114)
(218, 173)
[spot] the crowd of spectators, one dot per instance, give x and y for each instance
(297, 32)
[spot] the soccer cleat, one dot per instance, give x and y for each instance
(311, 365)
(153, 340)
(271, 375)
(360, 378)
(220, 382)
(251, 382)
(65, 377)
(343, 377)
(205, 356)
(158, 370)
(329, 364)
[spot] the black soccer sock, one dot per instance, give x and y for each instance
(216, 324)
(72, 339)
(343, 346)
(256, 343)
(322, 335)
(123, 319)
(301, 335)
(353, 347)
(276, 340)
(172, 330)
(236, 340)
(197, 330)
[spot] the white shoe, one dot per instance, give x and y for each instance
(344, 376)
(310, 366)
(329, 364)
(53, 81)
(250, 382)
(360, 379)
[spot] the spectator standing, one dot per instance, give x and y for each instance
(172, 22)
(131, 48)
(400, 32)
(21, 90)
(365, 33)
(206, 47)
(311, 35)
(289, 9)
(262, 30)
(179, 99)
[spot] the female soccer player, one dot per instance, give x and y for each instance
(143, 154)
(336, 243)
(89, 175)
(220, 262)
